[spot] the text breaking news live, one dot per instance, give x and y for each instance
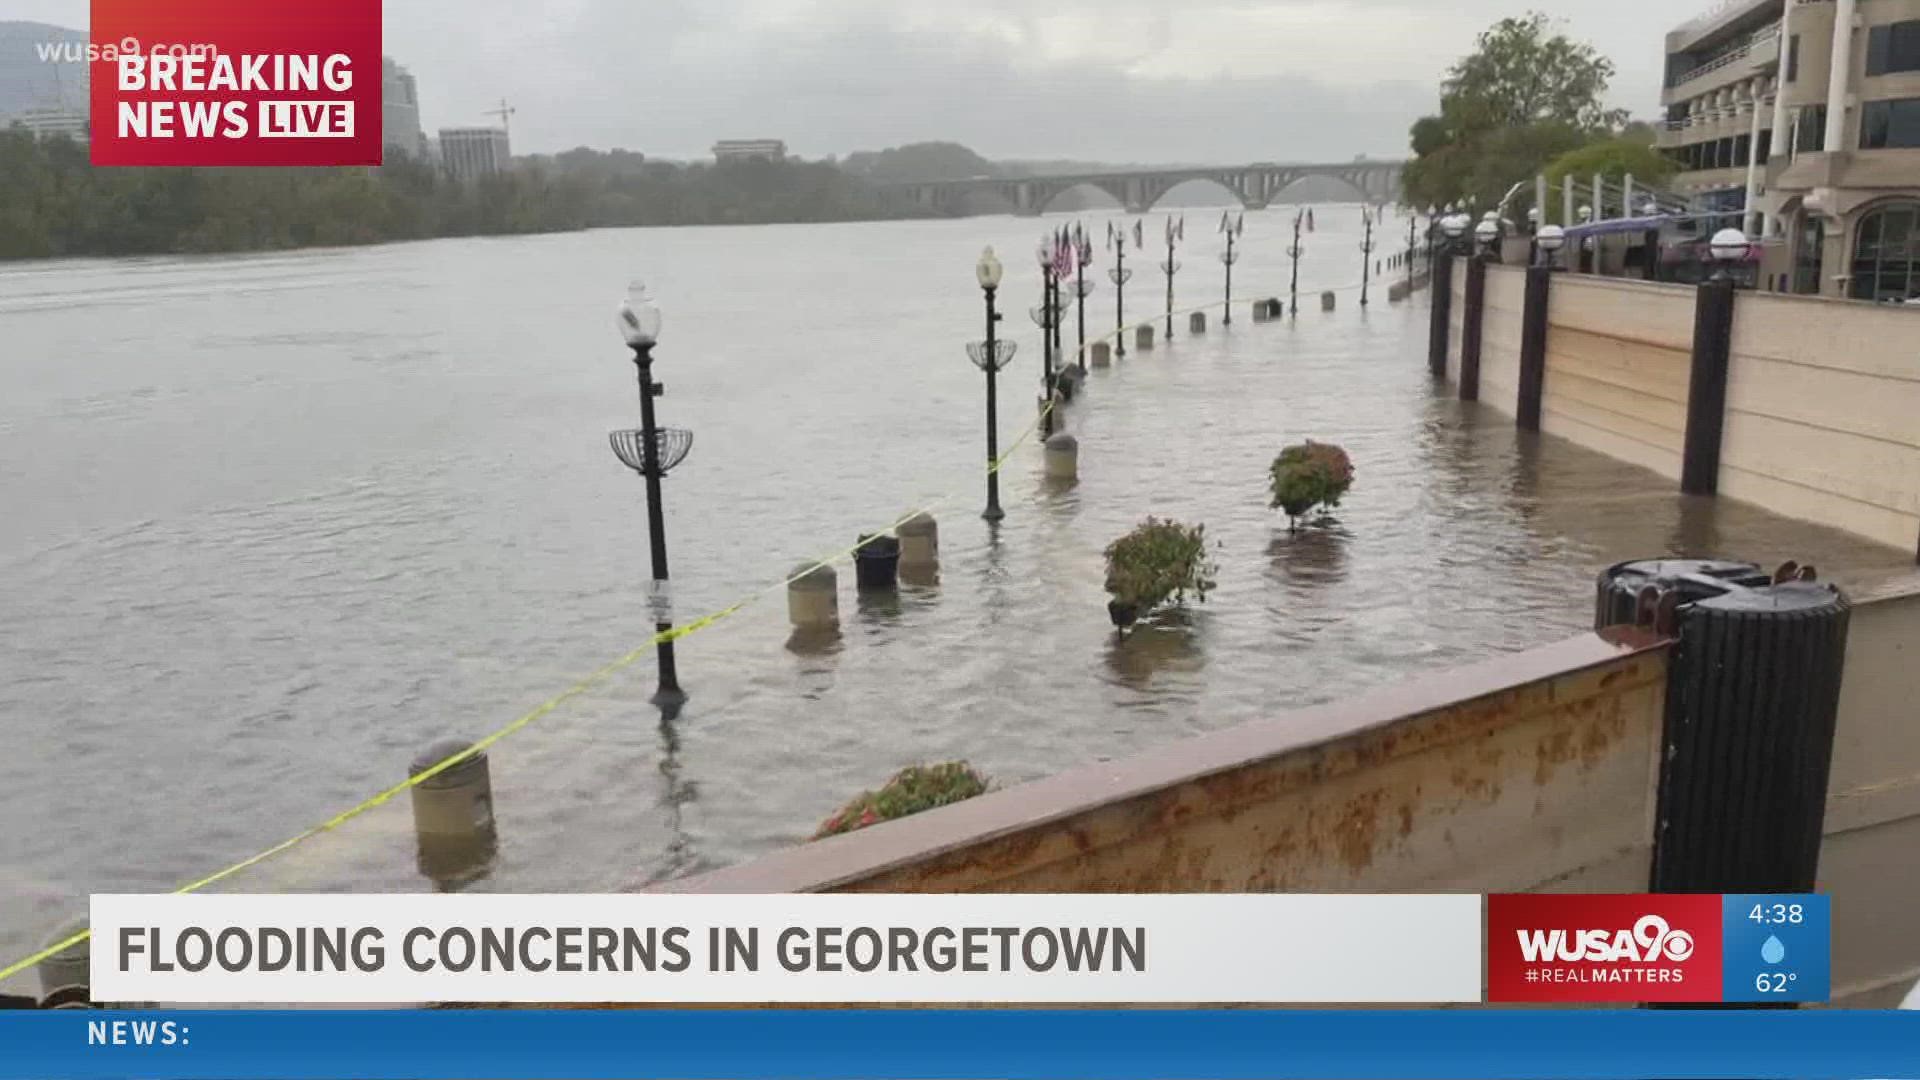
(1502, 670)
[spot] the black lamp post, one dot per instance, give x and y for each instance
(1047, 318)
(1366, 257)
(990, 356)
(1172, 265)
(1232, 229)
(1120, 275)
(1082, 258)
(652, 452)
(1294, 253)
(1413, 239)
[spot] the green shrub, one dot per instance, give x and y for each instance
(1156, 562)
(1307, 475)
(912, 789)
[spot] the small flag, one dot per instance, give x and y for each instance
(1140, 233)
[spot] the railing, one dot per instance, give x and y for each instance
(1741, 51)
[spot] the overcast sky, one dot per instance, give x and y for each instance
(1113, 80)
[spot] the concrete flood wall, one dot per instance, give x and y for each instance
(1822, 420)
(1531, 772)
(1870, 858)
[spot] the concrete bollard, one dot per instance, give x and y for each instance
(919, 540)
(1143, 337)
(1259, 311)
(813, 598)
(1063, 457)
(1327, 300)
(453, 813)
(64, 975)
(1197, 323)
(1102, 354)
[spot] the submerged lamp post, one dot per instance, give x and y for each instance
(652, 452)
(1232, 229)
(990, 356)
(1172, 265)
(1366, 256)
(1294, 253)
(1120, 275)
(1082, 288)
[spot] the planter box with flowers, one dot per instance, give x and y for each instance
(1158, 561)
(1309, 475)
(912, 789)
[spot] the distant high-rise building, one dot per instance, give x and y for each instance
(400, 110)
(469, 153)
(749, 150)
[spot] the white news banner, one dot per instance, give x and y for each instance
(1099, 948)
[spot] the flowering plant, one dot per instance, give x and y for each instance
(912, 789)
(1307, 475)
(1157, 561)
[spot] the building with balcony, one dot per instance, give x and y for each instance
(469, 153)
(1805, 114)
(749, 150)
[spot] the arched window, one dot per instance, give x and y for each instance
(1886, 253)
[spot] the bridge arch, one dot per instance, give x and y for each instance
(1199, 192)
(1321, 187)
(1082, 195)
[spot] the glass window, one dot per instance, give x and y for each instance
(1886, 253)
(1893, 47)
(1890, 124)
(1793, 57)
(1806, 261)
(1813, 129)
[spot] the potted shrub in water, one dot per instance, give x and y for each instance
(1309, 475)
(1156, 562)
(912, 789)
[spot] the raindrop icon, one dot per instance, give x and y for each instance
(1773, 952)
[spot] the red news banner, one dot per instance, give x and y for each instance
(1604, 948)
(235, 82)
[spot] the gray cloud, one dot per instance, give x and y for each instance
(1138, 80)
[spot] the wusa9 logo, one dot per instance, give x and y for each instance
(1651, 939)
(1622, 948)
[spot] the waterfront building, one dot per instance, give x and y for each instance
(749, 150)
(53, 123)
(400, 110)
(1805, 115)
(469, 153)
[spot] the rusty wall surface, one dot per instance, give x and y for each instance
(1870, 860)
(1533, 771)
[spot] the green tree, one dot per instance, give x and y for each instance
(1612, 158)
(1526, 95)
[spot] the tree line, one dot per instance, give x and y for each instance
(57, 204)
(1527, 101)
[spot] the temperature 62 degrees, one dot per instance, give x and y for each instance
(1774, 982)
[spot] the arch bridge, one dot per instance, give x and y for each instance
(1254, 185)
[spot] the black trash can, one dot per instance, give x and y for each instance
(1694, 579)
(877, 564)
(1753, 695)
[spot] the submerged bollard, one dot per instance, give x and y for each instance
(1143, 337)
(1102, 354)
(64, 975)
(1327, 300)
(919, 540)
(453, 814)
(876, 563)
(1197, 323)
(813, 598)
(1063, 457)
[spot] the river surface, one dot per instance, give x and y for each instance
(273, 524)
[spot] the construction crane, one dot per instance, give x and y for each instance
(503, 112)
